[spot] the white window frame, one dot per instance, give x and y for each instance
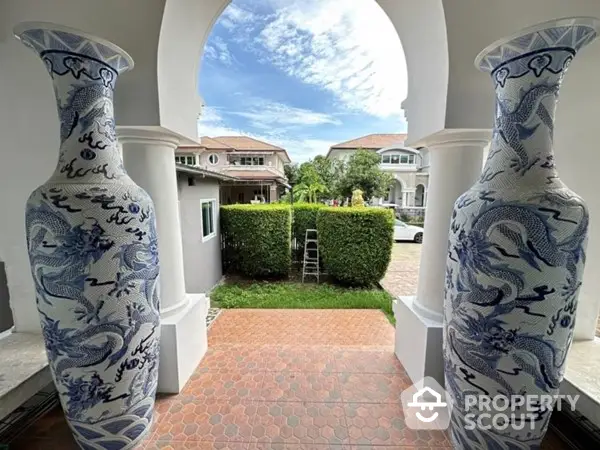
(408, 157)
(208, 237)
(216, 161)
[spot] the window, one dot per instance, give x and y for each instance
(248, 160)
(189, 160)
(399, 223)
(208, 219)
(398, 159)
(213, 159)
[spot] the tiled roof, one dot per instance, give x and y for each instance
(232, 144)
(244, 143)
(373, 141)
(213, 144)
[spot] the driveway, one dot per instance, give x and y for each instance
(403, 271)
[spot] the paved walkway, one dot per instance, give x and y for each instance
(403, 272)
(282, 379)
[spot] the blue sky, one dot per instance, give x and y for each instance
(302, 74)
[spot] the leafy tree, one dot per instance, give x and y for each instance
(291, 173)
(362, 172)
(311, 186)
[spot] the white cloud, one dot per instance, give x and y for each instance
(218, 50)
(234, 15)
(348, 47)
(212, 124)
(266, 114)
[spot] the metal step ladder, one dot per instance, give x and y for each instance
(310, 265)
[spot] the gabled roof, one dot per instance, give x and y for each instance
(213, 144)
(373, 141)
(233, 144)
(244, 143)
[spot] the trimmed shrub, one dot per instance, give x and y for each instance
(356, 243)
(305, 218)
(256, 239)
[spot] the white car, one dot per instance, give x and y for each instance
(406, 232)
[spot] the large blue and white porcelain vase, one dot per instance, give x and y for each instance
(516, 252)
(91, 238)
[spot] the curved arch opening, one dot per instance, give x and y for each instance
(302, 75)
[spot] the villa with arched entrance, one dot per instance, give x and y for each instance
(409, 167)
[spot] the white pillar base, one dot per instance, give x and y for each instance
(418, 340)
(183, 343)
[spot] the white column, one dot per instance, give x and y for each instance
(455, 157)
(149, 158)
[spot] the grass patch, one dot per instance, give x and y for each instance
(286, 295)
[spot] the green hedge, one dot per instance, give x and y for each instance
(305, 218)
(256, 239)
(356, 243)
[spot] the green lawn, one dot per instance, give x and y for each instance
(288, 295)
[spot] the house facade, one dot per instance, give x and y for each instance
(409, 167)
(199, 201)
(254, 168)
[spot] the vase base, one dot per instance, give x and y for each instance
(120, 433)
(413, 330)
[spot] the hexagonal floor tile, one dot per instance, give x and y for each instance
(357, 361)
(372, 424)
(243, 385)
(297, 386)
(297, 359)
(277, 423)
(373, 387)
(211, 420)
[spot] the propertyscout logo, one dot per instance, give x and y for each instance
(427, 406)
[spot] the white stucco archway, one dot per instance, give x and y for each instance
(166, 39)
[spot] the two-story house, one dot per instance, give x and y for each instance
(409, 166)
(255, 166)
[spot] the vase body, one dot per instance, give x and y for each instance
(91, 238)
(516, 252)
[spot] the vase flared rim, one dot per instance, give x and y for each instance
(593, 22)
(23, 27)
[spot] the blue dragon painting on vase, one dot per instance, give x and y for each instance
(516, 248)
(92, 245)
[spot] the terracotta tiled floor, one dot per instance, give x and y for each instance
(283, 379)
